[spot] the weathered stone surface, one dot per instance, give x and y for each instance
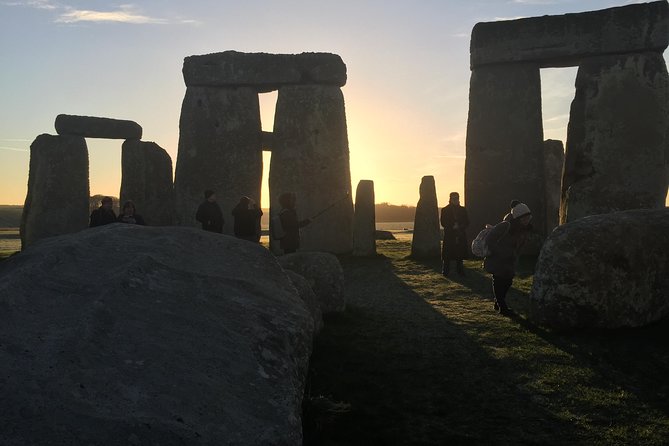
(325, 275)
(384, 235)
(57, 198)
(93, 127)
(504, 143)
(553, 164)
(564, 40)
(617, 136)
(263, 72)
(608, 270)
(310, 157)
(309, 298)
(219, 149)
(364, 225)
(426, 242)
(146, 179)
(150, 335)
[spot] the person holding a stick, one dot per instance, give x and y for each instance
(290, 242)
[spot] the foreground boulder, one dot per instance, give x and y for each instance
(309, 297)
(607, 271)
(325, 275)
(124, 335)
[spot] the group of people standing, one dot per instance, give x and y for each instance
(504, 242)
(105, 214)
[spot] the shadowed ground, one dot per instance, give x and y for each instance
(420, 359)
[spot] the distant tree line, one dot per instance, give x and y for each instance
(386, 212)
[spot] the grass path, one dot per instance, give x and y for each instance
(423, 360)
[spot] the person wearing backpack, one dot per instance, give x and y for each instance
(455, 221)
(504, 242)
(290, 225)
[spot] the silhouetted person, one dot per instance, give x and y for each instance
(290, 242)
(455, 221)
(209, 213)
(505, 241)
(104, 214)
(247, 220)
(129, 214)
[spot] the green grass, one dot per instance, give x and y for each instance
(422, 359)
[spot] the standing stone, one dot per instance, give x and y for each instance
(364, 225)
(146, 179)
(504, 143)
(219, 149)
(617, 137)
(553, 164)
(57, 198)
(310, 157)
(426, 242)
(94, 127)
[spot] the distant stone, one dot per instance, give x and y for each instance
(150, 335)
(92, 127)
(325, 275)
(309, 297)
(553, 164)
(263, 72)
(364, 224)
(426, 242)
(384, 235)
(563, 40)
(604, 271)
(57, 198)
(146, 179)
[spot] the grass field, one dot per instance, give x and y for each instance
(418, 359)
(10, 242)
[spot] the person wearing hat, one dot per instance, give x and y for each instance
(209, 213)
(504, 242)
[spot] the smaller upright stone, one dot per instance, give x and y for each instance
(426, 243)
(364, 220)
(553, 164)
(93, 127)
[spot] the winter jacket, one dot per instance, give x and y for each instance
(504, 241)
(101, 217)
(210, 215)
(455, 240)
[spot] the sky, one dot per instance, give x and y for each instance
(406, 95)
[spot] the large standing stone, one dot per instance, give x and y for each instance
(310, 157)
(504, 144)
(426, 242)
(617, 137)
(553, 164)
(150, 335)
(607, 271)
(93, 127)
(146, 179)
(220, 149)
(364, 226)
(57, 198)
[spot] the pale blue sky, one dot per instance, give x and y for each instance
(406, 96)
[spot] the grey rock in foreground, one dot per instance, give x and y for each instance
(150, 335)
(94, 127)
(325, 275)
(309, 297)
(604, 271)
(426, 241)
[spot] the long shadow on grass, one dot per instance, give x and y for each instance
(413, 376)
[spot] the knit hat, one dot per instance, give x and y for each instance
(520, 210)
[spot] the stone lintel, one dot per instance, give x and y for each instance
(262, 71)
(93, 127)
(563, 40)
(267, 141)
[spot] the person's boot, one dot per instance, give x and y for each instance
(460, 267)
(445, 268)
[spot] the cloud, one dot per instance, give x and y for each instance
(557, 118)
(125, 14)
(14, 149)
(38, 4)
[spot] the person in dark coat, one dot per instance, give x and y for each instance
(209, 213)
(129, 214)
(103, 215)
(505, 241)
(455, 221)
(247, 220)
(290, 224)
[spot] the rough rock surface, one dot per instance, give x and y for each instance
(309, 297)
(150, 335)
(146, 179)
(364, 224)
(617, 137)
(426, 241)
(94, 127)
(384, 235)
(57, 198)
(263, 72)
(310, 157)
(608, 271)
(220, 149)
(325, 275)
(563, 40)
(553, 164)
